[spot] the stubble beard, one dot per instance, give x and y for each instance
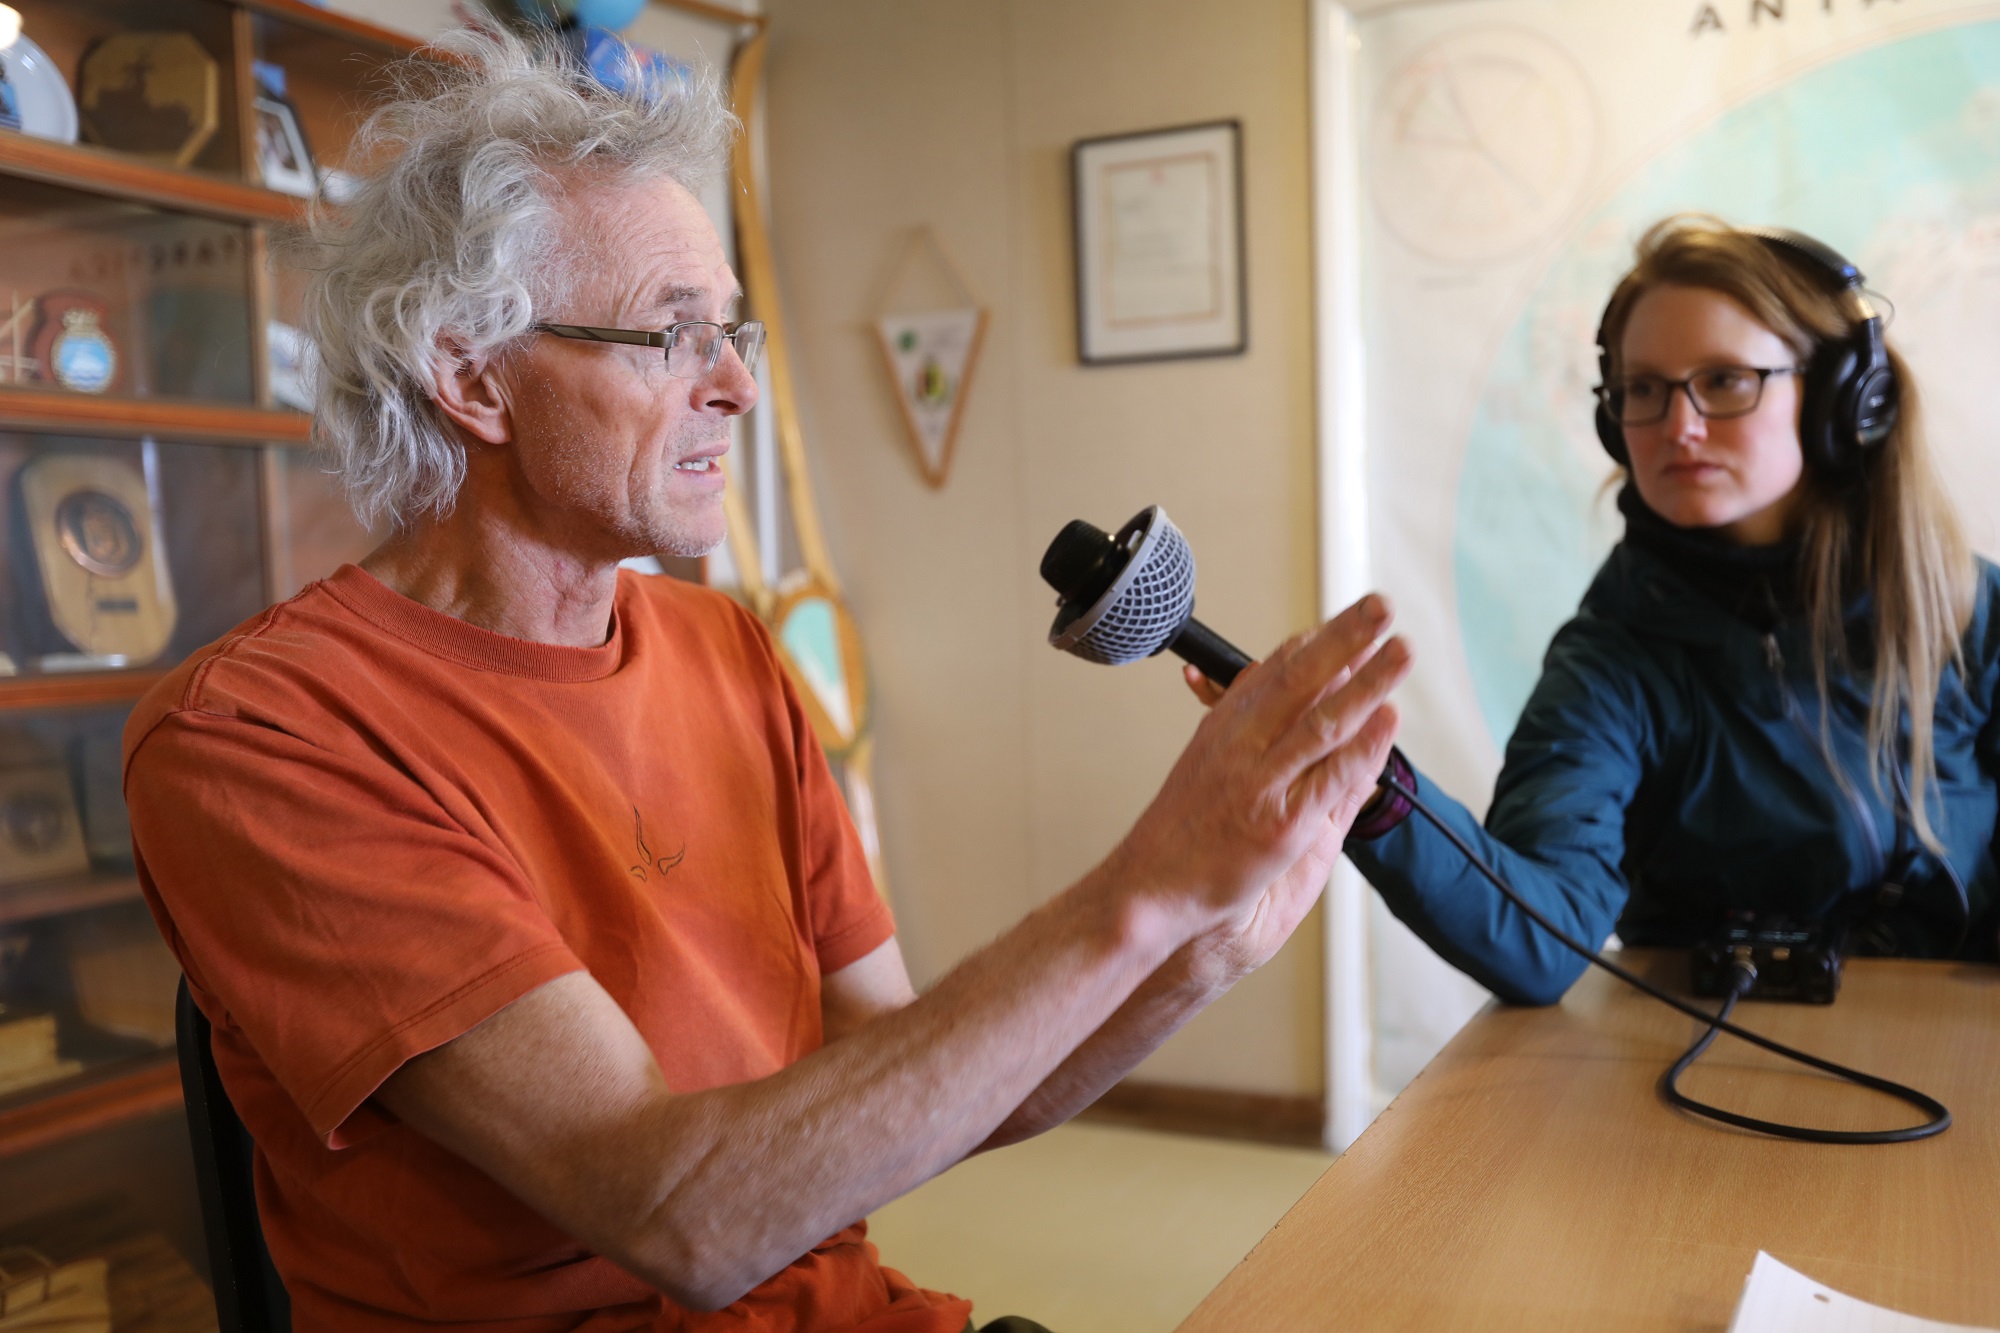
(686, 536)
(673, 540)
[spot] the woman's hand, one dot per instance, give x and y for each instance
(1204, 689)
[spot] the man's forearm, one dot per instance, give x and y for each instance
(1158, 1009)
(1195, 977)
(791, 1159)
(708, 1193)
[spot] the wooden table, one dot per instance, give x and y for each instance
(1531, 1178)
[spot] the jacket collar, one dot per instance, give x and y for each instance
(1639, 590)
(1758, 584)
(1695, 586)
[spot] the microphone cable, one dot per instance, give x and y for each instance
(1940, 1116)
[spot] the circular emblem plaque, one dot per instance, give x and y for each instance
(72, 343)
(97, 531)
(83, 356)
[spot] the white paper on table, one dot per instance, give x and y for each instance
(1777, 1299)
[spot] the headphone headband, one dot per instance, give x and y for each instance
(1824, 256)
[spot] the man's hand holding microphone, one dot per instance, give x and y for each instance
(1252, 817)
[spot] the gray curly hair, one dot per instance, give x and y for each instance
(449, 246)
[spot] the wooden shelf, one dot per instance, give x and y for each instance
(202, 423)
(333, 25)
(149, 1089)
(101, 171)
(73, 893)
(84, 689)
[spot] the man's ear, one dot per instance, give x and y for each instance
(469, 391)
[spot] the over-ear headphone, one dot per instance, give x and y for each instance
(1849, 387)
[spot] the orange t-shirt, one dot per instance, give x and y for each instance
(365, 827)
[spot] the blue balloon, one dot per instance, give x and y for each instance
(613, 14)
(630, 68)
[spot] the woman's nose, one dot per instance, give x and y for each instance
(1684, 420)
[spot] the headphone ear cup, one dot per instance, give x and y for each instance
(1826, 433)
(1611, 435)
(1871, 405)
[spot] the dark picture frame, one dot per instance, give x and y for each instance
(1158, 233)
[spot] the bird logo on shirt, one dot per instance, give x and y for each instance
(650, 864)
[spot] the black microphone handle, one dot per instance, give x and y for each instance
(1217, 658)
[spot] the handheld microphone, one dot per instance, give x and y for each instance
(1131, 595)
(1128, 596)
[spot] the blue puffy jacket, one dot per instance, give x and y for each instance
(1668, 767)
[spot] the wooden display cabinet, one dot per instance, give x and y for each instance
(153, 494)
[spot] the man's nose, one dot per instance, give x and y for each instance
(730, 388)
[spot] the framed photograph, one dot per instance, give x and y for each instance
(283, 161)
(1159, 244)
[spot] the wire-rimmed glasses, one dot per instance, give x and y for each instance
(1718, 393)
(693, 347)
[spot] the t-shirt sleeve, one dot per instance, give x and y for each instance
(330, 906)
(848, 916)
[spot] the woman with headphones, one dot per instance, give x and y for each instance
(1779, 694)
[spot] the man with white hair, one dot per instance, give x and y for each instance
(544, 966)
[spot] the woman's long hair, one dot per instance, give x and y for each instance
(1894, 533)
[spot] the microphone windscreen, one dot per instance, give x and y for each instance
(1147, 603)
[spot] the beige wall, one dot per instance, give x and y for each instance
(1005, 769)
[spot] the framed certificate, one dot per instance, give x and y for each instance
(1159, 244)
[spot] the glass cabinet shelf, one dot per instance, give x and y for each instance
(153, 495)
(107, 298)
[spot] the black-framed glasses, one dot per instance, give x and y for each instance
(693, 346)
(1718, 393)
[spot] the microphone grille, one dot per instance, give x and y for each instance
(1145, 606)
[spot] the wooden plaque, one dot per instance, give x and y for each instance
(105, 579)
(155, 94)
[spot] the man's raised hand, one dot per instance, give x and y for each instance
(1273, 777)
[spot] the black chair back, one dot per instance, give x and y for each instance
(249, 1298)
